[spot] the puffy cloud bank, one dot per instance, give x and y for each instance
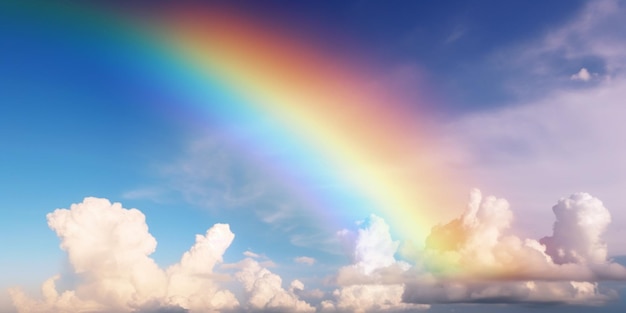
(471, 259)
(109, 249)
(474, 259)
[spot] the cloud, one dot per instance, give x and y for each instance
(52, 300)
(305, 260)
(582, 75)
(580, 222)
(370, 298)
(373, 282)
(208, 174)
(108, 248)
(265, 292)
(159, 308)
(251, 254)
(212, 173)
(597, 32)
(192, 283)
(507, 292)
(474, 259)
(530, 69)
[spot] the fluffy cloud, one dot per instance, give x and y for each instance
(265, 292)
(52, 300)
(474, 259)
(580, 222)
(370, 298)
(373, 283)
(109, 249)
(191, 282)
(471, 259)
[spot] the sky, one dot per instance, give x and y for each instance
(310, 156)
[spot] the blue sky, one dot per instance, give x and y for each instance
(525, 100)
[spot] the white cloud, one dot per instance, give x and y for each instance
(265, 292)
(582, 75)
(580, 222)
(373, 283)
(191, 282)
(251, 254)
(474, 259)
(305, 260)
(109, 246)
(370, 298)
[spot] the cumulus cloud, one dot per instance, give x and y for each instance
(373, 282)
(265, 292)
(305, 260)
(109, 250)
(580, 222)
(109, 246)
(191, 282)
(474, 258)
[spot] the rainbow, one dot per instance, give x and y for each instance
(324, 128)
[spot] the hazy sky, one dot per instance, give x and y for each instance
(339, 156)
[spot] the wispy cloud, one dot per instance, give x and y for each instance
(305, 260)
(456, 34)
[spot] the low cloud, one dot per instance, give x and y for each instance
(471, 259)
(265, 293)
(109, 250)
(580, 222)
(373, 282)
(474, 258)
